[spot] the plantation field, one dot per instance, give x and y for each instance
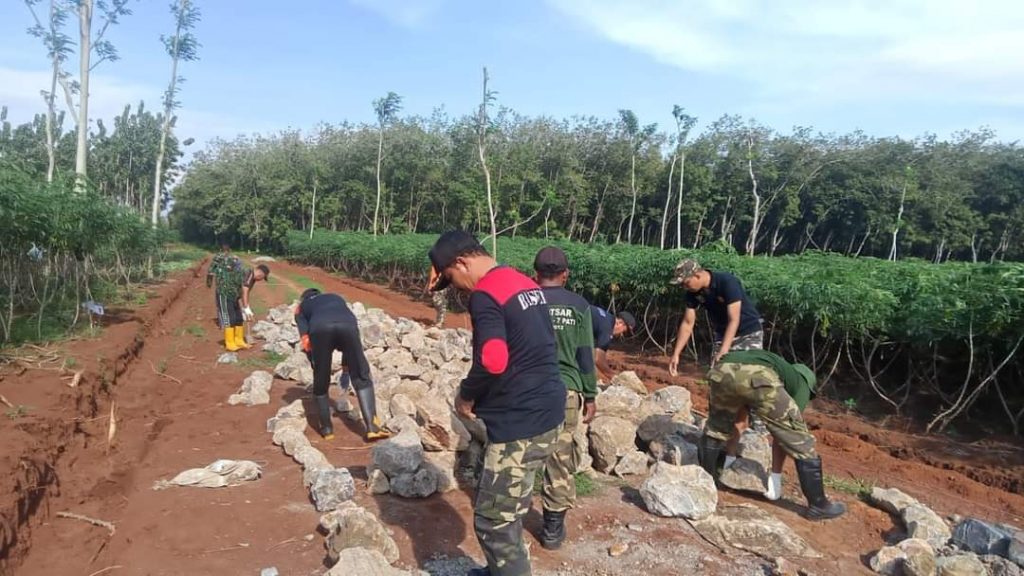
(946, 334)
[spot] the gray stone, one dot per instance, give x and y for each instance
(279, 347)
(610, 439)
(746, 475)
(630, 380)
(1015, 551)
(632, 463)
(674, 491)
(255, 389)
(372, 335)
(400, 454)
(331, 488)
(961, 565)
(981, 537)
(892, 500)
(289, 334)
(228, 358)
(922, 522)
(618, 401)
(888, 561)
(290, 416)
(308, 457)
(757, 447)
(353, 527)
(271, 571)
(377, 482)
(657, 426)
(266, 331)
(911, 555)
(747, 527)
(674, 449)
(999, 566)
(281, 314)
(442, 465)
(419, 485)
(581, 447)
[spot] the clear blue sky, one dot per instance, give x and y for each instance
(888, 67)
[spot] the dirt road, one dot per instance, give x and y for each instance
(155, 368)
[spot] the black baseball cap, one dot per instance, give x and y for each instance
(629, 319)
(447, 248)
(550, 260)
(309, 293)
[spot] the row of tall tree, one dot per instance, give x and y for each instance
(616, 180)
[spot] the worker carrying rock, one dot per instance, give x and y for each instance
(758, 381)
(326, 324)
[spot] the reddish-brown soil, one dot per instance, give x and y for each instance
(156, 367)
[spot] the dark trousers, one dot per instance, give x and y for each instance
(343, 336)
(229, 312)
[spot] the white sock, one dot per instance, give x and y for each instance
(774, 487)
(729, 460)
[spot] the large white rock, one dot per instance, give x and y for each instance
(618, 401)
(442, 465)
(611, 438)
(400, 454)
(255, 389)
(630, 380)
(363, 562)
(353, 527)
(749, 528)
(295, 367)
(923, 523)
(440, 429)
(679, 491)
(746, 475)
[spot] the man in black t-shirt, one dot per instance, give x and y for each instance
(734, 319)
(607, 327)
(513, 385)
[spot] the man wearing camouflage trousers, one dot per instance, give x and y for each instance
(574, 333)
(760, 389)
(513, 385)
(439, 298)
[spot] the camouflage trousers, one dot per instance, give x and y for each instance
(758, 389)
(440, 300)
(503, 496)
(559, 489)
(752, 341)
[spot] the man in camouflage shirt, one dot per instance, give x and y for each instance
(220, 260)
(740, 382)
(574, 337)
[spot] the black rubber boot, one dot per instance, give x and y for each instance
(553, 533)
(368, 409)
(709, 452)
(344, 381)
(323, 410)
(813, 486)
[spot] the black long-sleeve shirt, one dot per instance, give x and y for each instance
(320, 310)
(514, 380)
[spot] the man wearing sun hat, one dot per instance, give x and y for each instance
(775, 391)
(513, 385)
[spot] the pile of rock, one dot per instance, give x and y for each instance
(329, 487)
(255, 389)
(972, 548)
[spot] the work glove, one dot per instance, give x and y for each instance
(307, 345)
(247, 313)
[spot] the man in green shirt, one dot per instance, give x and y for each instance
(574, 337)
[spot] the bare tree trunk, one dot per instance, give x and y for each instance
(700, 227)
(85, 51)
(380, 156)
(600, 210)
(679, 204)
(974, 248)
(51, 152)
(776, 239)
(168, 120)
(312, 210)
(938, 253)
(482, 149)
(899, 221)
(755, 225)
(724, 231)
(632, 186)
(668, 201)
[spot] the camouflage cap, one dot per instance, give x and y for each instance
(684, 270)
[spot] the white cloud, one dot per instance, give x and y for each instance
(20, 92)
(406, 13)
(843, 50)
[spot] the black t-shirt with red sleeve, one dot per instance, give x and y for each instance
(514, 380)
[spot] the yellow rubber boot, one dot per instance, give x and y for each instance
(240, 338)
(229, 340)
(377, 431)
